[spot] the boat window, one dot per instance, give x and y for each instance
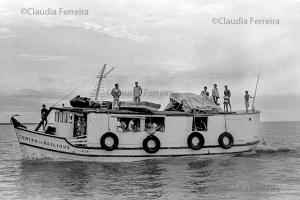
(66, 117)
(199, 124)
(60, 117)
(71, 118)
(56, 117)
(128, 124)
(153, 124)
(63, 117)
(79, 125)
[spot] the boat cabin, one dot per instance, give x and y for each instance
(88, 125)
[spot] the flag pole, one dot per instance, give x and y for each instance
(253, 108)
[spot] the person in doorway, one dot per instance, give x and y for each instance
(205, 92)
(44, 114)
(227, 96)
(215, 94)
(137, 92)
(202, 126)
(78, 127)
(247, 97)
(82, 127)
(116, 93)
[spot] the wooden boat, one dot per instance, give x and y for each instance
(138, 130)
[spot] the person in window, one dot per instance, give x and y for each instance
(137, 126)
(154, 126)
(121, 125)
(137, 92)
(82, 127)
(79, 125)
(202, 126)
(116, 93)
(44, 114)
(148, 126)
(131, 125)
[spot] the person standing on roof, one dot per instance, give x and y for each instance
(116, 93)
(215, 94)
(44, 114)
(227, 95)
(137, 92)
(204, 92)
(247, 97)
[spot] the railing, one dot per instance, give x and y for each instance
(79, 141)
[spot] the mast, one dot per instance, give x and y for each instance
(253, 108)
(101, 76)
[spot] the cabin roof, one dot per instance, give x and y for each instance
(166, 113)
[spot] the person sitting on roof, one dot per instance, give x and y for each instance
(205, 92)
(178, 106)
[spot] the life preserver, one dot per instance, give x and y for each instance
(151, 149)
(200, 143)
(113, 137)
(230, 140)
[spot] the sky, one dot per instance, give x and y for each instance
(165, 45)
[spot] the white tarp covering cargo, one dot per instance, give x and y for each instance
(189, 101)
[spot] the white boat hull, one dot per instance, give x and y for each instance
(37, 145)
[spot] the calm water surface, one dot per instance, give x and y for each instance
(273, 172)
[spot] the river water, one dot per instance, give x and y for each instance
(273, 172)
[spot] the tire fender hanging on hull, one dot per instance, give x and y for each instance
(146, 144)
(109, 147)
(197, 146)
(229, 138)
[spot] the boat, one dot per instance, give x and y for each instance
(190, 125)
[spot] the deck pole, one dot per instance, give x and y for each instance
(253, 108)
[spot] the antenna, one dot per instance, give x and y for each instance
(253, 108)
(101, 76)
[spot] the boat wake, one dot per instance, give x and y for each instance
(271, 149)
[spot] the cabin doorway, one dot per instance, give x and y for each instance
(80, 123)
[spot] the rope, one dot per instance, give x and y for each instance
(64, 97)
(225, 122)
(108, 124)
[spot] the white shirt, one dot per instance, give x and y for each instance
(215, 92)
(137, 91)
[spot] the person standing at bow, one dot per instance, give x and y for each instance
(44, 114)
(247, 97)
